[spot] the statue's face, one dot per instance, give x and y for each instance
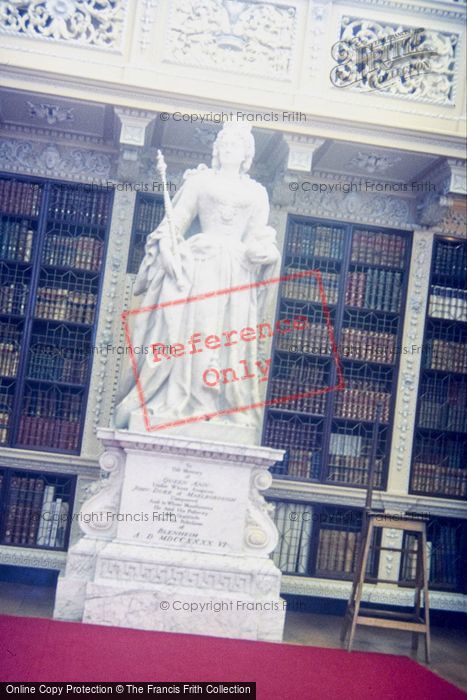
(230, 150)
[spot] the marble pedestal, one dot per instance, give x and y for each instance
(177, 539)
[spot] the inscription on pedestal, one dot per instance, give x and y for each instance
(183, 505)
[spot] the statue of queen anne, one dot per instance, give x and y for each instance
(234, 247)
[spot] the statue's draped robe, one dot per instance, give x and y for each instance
(215, 259)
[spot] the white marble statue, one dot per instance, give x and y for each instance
(234, 246)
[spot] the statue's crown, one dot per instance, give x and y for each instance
(237, 126)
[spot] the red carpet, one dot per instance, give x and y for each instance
(44, 650)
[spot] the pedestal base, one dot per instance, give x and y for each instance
(203, 570)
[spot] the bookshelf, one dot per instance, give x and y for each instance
(149, 212)
(36, 509)
(327, 436)
(319, 540)
(52, 250)
(439, 456)
(447, 540)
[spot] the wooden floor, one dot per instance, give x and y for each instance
(449, 646)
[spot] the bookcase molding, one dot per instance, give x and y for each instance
(409, 370)
(306, 492)
(109, 329)
(33, 558)
(385, 595)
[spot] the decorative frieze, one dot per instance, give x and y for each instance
(341, 200)
(397, 60)
(252, 38)
(50, 160)
(96, 23)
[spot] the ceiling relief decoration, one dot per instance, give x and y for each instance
(391, 59)
(97, 23)
(254, 38)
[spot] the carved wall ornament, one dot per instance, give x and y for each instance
(254, 38)
(373, 162)
(397, 60)
(53, 114)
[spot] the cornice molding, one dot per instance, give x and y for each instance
(317, 126)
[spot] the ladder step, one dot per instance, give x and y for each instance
(392, 624)
(390, 614)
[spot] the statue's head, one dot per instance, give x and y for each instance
(234, 145)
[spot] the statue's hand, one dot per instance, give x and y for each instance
(263, 255)
(167, 257)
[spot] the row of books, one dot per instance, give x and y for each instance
(33, 515)
(302, 463)
(337, 551)
(13, 298)
(372, 346)
(410, 556)
(283, 388)
(442, 418)
(446, 451)
(353, 470)
(4, 420)
(316, 241)
(374, 289)
(346, 444)
(307, 289)
(444, 557)
(282, 433)
(446, 355)
(16, 239)
(79, 252)
(53, 403)
(51, 363)
(448, 302)
(148, 215)
(360, 403)
(48, 432)
(450, 260)
(294, 522)
(438, 480)
(443, 414)
(65, 305)
(377, 248)
(78, 205)
(9, 359)
(313, 340)
(19, 197)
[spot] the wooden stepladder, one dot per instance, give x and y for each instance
(416, 621)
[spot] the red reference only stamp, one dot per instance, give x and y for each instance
(252, 367)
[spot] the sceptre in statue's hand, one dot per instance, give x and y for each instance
(172, 262)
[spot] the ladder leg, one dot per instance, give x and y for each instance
(361, 579)
(418, 586)
(351, 602)
(426, 599)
